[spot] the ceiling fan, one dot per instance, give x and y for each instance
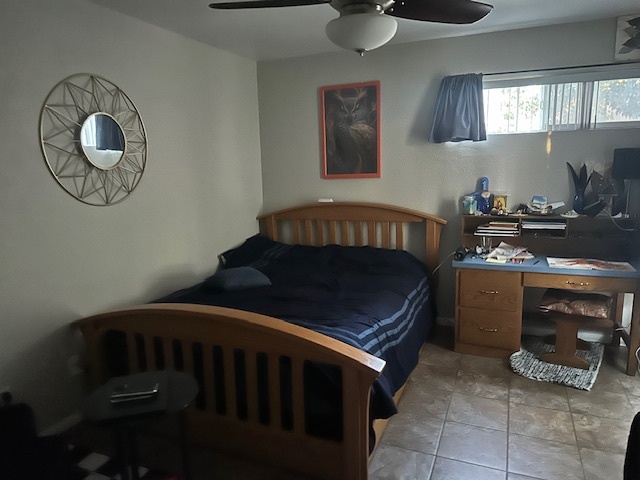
(367, 24)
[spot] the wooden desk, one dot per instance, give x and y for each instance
(489, 302)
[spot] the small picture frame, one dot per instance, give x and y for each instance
(628, 38)
(500, 201)
(350, 130)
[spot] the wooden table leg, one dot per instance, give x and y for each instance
(634, 334)
(616, 336)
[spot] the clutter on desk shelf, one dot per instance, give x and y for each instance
(589, 205)
(498, 229)
(469, 204)
(540, 206)
(500, 204)
(504, 253)
(483, 199)
(543, 225)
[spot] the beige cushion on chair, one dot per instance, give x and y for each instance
(584, 304)
(571, 311)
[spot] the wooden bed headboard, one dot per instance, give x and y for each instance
(353, 223)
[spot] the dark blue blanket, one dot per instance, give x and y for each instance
(374, 299)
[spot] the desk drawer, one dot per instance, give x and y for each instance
(490, 289)
(489, 328)
(579, 282)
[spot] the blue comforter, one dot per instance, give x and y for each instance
(373, 299)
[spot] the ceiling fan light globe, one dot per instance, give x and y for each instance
(361, 32)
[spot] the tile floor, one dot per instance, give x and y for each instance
(471, 418)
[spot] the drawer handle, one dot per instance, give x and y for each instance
(580, 284)
(489, 292)
(486, 329)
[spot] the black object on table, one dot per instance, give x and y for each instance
(124, 403)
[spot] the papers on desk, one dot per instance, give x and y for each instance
(589, 264)
(504, 253)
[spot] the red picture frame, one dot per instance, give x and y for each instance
(350, 130)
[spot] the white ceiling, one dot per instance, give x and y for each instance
(272, 33)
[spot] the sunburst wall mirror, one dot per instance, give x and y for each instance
(93, 139)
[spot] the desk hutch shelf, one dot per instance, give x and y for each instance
(580, 236)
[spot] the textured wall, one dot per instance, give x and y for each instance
(61, 259)
(415, 173)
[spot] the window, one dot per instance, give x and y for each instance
(547, 103)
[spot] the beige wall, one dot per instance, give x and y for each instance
(415, 173)
(61, 259)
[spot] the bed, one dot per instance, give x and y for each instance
(278, 391)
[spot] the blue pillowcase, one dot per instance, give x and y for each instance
(238, 278)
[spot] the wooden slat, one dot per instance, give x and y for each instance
(150, 352)
(307, 233)
(345, 232)
(207, 371)
(386, 234)
(332, 231)
(297, 394)
(357, 226)
(275, 408)
(271, 227)
(167, 348)
(251, 369)
(296, 232)
(399, 236)
(187, 356)
(230, 383)
(432, 243)
(371, 231)
(320, 233)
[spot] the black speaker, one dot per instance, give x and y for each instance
(626, 163)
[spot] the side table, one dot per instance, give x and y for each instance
(174, 391)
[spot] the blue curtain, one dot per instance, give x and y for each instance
(108, 134)
(459, 111)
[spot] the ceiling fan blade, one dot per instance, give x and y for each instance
(440, 11)
(265, 4)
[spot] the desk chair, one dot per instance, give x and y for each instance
(572, 311)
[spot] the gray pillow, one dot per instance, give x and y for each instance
(238, 278)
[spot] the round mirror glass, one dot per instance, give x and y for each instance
(102, 140)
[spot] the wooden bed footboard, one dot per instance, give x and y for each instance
(230, 413)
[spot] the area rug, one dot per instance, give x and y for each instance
(527, 363)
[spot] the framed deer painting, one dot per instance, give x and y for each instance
(350, 133)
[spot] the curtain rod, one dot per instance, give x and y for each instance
(554, 69)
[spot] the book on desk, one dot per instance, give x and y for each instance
(498, 229)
